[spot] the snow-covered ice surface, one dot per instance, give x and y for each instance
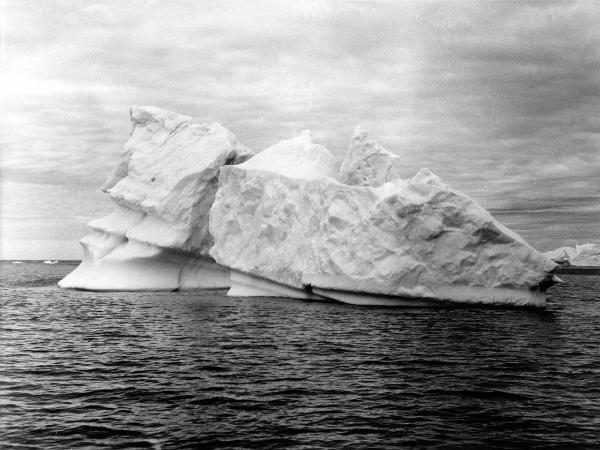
(164, 186)
(580, 255)
(295, 227)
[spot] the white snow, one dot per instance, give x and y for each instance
(164, 186)
(414, 238)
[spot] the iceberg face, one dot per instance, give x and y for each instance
(580, 255)
(169, 171)
(164, 186)
(407, 241)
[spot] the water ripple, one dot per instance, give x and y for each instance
(199, 369)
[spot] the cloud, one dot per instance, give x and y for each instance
(501, 99)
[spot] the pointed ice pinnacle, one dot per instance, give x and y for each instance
(295, 158)
(367, 163)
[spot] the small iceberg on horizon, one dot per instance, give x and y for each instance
(584, 255)
(48, 261)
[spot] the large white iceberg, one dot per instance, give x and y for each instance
(196, 209)
(287, 227)
(580, 255)
(164, 186)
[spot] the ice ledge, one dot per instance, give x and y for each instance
(349, 290)
(114, 263)
(246, 285)
(323, 287)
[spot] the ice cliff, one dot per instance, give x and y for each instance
(164, 186)
(288, 227)
(580, 255)
(196, 209)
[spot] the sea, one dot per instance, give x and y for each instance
(199, 369)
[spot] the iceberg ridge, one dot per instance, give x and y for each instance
(408, 239)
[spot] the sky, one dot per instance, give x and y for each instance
(500, 99)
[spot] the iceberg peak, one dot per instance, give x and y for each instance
(367, 163)
(426, 176)
(151, 114)
(298, 157)
(360, 133)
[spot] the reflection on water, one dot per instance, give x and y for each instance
(159, 370)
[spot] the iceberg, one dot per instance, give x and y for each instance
(586, 255)
(580, 255)
(287, 224)
(196, 209)
(561, 255)
(157, 238)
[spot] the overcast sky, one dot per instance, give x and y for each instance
(500, 99)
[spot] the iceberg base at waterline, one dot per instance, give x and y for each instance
(131, 265)
(325, 288)
(247, 285)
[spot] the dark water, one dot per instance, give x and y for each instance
(166, 370)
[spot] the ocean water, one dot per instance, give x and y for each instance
(199, 369)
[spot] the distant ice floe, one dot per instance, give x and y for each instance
(580, 255)
(196, 209)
